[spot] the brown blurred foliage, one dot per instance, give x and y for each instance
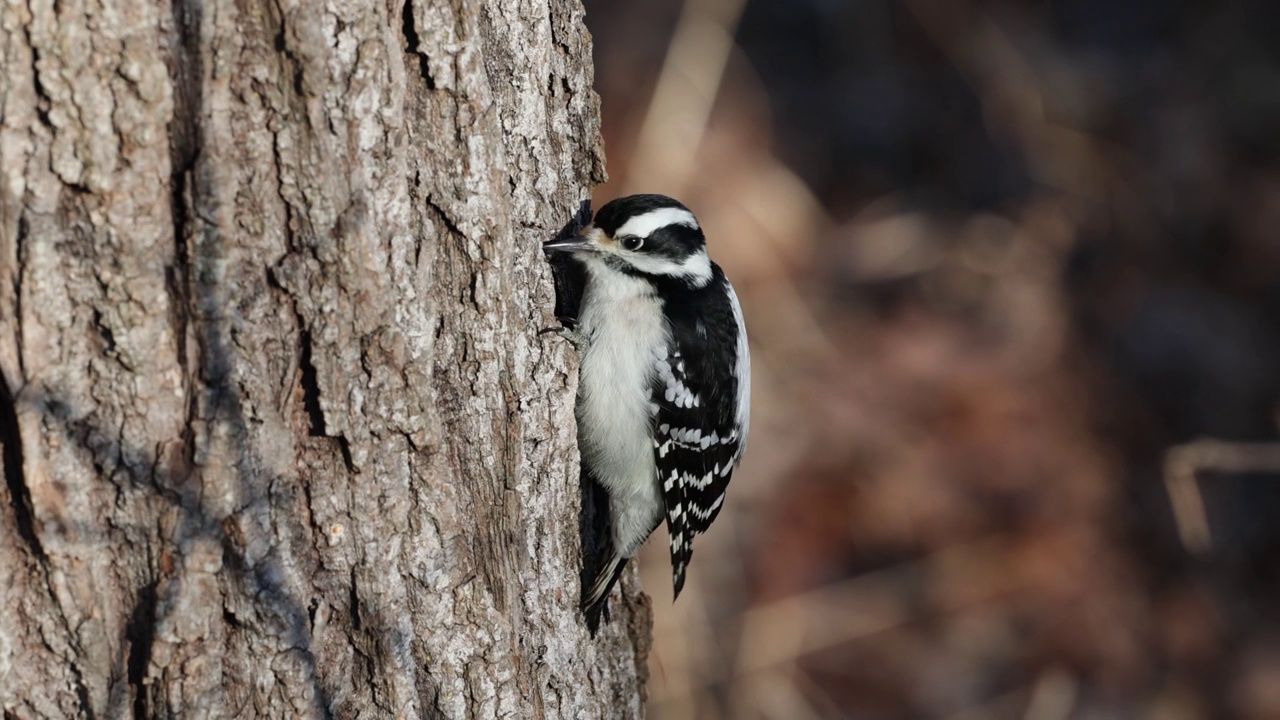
(997, 259)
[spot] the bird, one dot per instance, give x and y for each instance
(664, 384)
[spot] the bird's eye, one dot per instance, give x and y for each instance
(632, 243)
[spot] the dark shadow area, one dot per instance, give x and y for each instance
(19, 495)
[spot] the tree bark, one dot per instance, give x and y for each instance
(279, 437)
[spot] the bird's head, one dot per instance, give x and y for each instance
(651, 235)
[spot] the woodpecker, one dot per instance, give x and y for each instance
(664, 385)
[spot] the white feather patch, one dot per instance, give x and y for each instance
(695, 268)
(742, 373)
(614, 407)
(704, 514)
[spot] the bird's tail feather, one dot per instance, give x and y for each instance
(596, 597)
(599, 561)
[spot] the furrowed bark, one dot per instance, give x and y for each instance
(279, 437)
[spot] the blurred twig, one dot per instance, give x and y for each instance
(1183, 464)
(1053, 696)
(684, 94)
(783, 631)
(800, 625)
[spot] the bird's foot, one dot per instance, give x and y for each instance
(567, 330)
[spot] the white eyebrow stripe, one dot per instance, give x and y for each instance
(642, 226)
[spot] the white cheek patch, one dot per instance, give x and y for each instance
(642, 226)
(696, 267)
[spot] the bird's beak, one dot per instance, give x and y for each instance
(584, 241)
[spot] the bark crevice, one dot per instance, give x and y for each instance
(185, 67)
(310, 384)
(413, 44)
(140, 636)
(19, 493)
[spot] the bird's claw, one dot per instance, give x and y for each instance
(567, 330)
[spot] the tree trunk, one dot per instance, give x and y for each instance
(279, 437)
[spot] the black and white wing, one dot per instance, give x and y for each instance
(702, 395)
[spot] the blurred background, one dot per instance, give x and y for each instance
(1012, 276)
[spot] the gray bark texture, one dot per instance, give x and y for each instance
(279, 437)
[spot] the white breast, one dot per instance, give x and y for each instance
(623, 323)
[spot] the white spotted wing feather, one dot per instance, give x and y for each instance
(702, 395)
